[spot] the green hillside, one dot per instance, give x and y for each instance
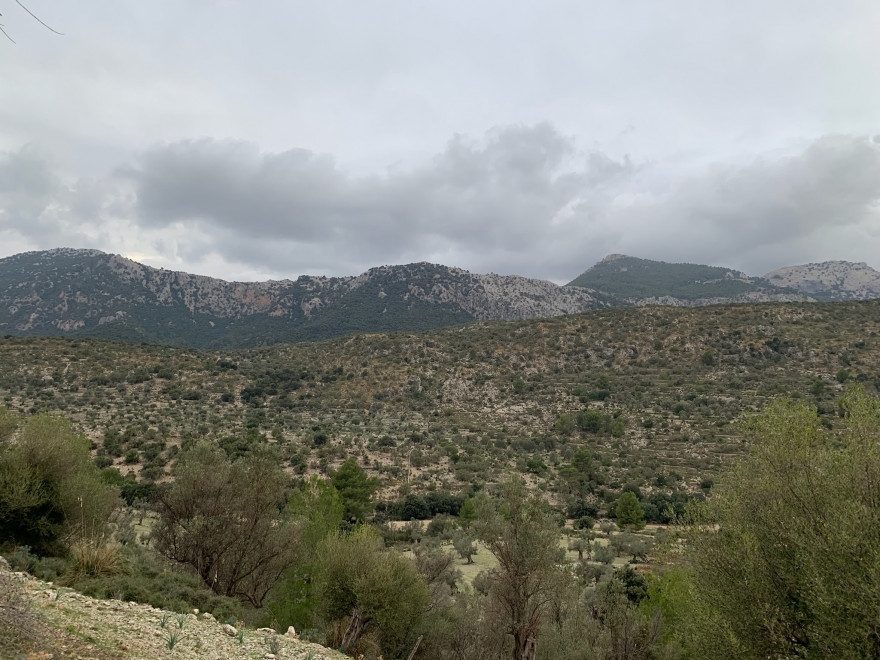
(630, 278)
(653, 393)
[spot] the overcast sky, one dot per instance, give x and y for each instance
(256, 139)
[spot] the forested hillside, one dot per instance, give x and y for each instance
(653, 393)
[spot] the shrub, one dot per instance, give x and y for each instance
(50, 491)
(367, 589)
(786, 557)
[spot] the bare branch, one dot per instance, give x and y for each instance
(36, 18)
(6, 35)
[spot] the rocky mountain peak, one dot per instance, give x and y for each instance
(830, 280)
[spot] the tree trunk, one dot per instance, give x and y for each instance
(355, 628)
(415, 648)
(526, 649)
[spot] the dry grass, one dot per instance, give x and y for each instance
(95, 557)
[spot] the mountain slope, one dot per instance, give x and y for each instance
(830, 280)
(90, 293)
(643, 281)
(468, 404)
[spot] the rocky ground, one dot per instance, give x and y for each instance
(40, 621)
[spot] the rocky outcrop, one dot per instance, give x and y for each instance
(830, 280)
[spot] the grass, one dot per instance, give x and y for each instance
(97, 557)
(483, 561)
(172, 638)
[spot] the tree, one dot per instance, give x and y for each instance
(627, 543)
(565, 425)
(468, 513)
(364, 589)
(464, 545)
(225, 520)
(786, 557)
(525, 541)
(582, 461)
(317, 509)
(580, 474)
(51, 494)
(582, 543)
(629, 511)
(356, 490)
(437, 568)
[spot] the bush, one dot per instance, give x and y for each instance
(367, 590)
(786, 558)
(145, 578)
(50, 491)
(441, 526)
(584, 522)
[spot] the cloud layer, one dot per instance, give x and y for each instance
(522, 199)
(248, 140)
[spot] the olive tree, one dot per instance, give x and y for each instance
(368, 591)
(786, 555)
(525, 540)
(226, 520)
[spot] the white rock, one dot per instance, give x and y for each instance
(229, 630)
(266, 630)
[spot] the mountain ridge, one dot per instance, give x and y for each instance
(89, 293)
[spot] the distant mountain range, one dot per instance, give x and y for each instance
(94, 294)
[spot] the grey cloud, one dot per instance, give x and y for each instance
(522, 200)
(31, 193)
(26, 172)
(499, 194)
(729, 212)
(39, 206)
